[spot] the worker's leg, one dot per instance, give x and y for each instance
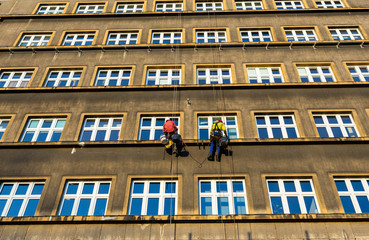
(219, 151)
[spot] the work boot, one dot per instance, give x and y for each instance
(218, 158)
(211, 157)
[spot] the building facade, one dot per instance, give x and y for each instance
(85, 87)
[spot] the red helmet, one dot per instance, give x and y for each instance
(220, 120)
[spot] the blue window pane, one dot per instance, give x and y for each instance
(84, 206)
(223, 206)
(351, 132)
(322, 132)
(204, 134)
(114, 135)
(86, 135)
(356, 185)
(230, 121)
(263, 133)
(145, 135)
(72, 188)
(347, 204)
(50, 83)
(337, 132)
(100, 207)
(288, 120)
(293, 204)
(169, 206)
(273, 186)
(152, 206)
(277, 207)
(239, 205)
(310, 205)
(157, 135)
(14, 208)
(237, 186)
(1, 135)
(112, 82)
(206, 208)
(221, 186)
(363, 203)
(341, 185)
(346, 119)
(136, 206)
(42, 137)
(274, 120)
(205, 187)
(289, 186)
(31, 207)
(291, 132)
(170, 187)
(100, 135)
(138, 187)
(55, 137)
(146, 122)
(2, 205)
(154, 188)
(306, 186)
(318, 120)
(88, 188)
(160, 122)
(260, 121)
(332, 119)
(104, 188)
(46, 124)
(277, 133)
(175, 120)
(22, 189)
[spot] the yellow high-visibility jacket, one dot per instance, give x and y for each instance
(218, 126)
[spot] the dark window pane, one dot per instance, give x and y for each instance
(263, 133)
(204, 134)
(22, 189)
(310, 205)
(154, 188)
(289, 186)
(55, 137)
(145, 135)
(136, 206)
(221, 186)
(305, 186)
(223, 206)
(88, 188)
(277, 207)
(205, 187)
(356, 185)
(291, 133)
(138, 187)
(337, 132)
(170, 187)
(100, 207)
(322, 132)
(206, 208)
(341, 185)
(237, 186)
(277, 133)
(31, 207)
(37, 189)
(100, 135)
(169, 206)
(239, 205)
(42, 137)
(86, 135)
(7, 188)
(157, 135)
(293, 204)
(114, 135)
(347, 204)
(104, 188)
(2, 205)
(84, 206)
(152, 206)
(14, 208)
(72, 188)
(273, 186)
(318, 120)
(363, 203)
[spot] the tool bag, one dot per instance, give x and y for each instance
(223, 142)
(176, 138)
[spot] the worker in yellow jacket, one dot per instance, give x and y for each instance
(217, 131)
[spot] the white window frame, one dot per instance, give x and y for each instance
(230, 194)
(296, 36)
(212, 119)
(251, 35)
(292, 4)
(216, 37)
(161, 195)
(153, 126)
(248, 5)
(39, 128)
(42, 41)
(211, 78)
(341, 36)
(2, 130)
(129, 7)
(322, 76)
(259, 76)
(168, 7)
(363, 76)
(163, 38)
(281, 124)
(340, 123)
(328, 3)
(12, 196)
(90, 8)
(75, 36)
(71, 80)
(299, 194)
(163, 80)
(95, 128)
(352, 193)
(59, 9)
(126, 37)
(78, 196)
(22, 81)
(108, 77)
(209, 6)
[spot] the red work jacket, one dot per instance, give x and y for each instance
(169, 126)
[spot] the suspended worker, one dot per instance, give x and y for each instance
(218, 139)
(170, 130)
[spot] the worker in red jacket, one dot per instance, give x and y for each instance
(169, 129)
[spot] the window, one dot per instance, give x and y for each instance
(209, 6)
(301, 34)
(222, 197)
(10, 78)
(211, 36)
(345, 34)
(166, 37)
(214, 76)
(129, 7)
(63, 78)
(289, 4)
(19, 198)
(78, 39)
(34, 40)
(335, 125)
(316, 74)
(4, 122)
(113, 77)
(249, 5)
(359, 72)
(204, 124)
(330, 4)
(43, 130)
(163, 76)
(254, 35)
(264, 74)
(168, 7)
(101, 129)
(292, 196)
(155, 197)
(354, 194)
(276, 126)
(122, 38)
(152, 127)
(90, 8)
(85, 198)
(51, 9)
